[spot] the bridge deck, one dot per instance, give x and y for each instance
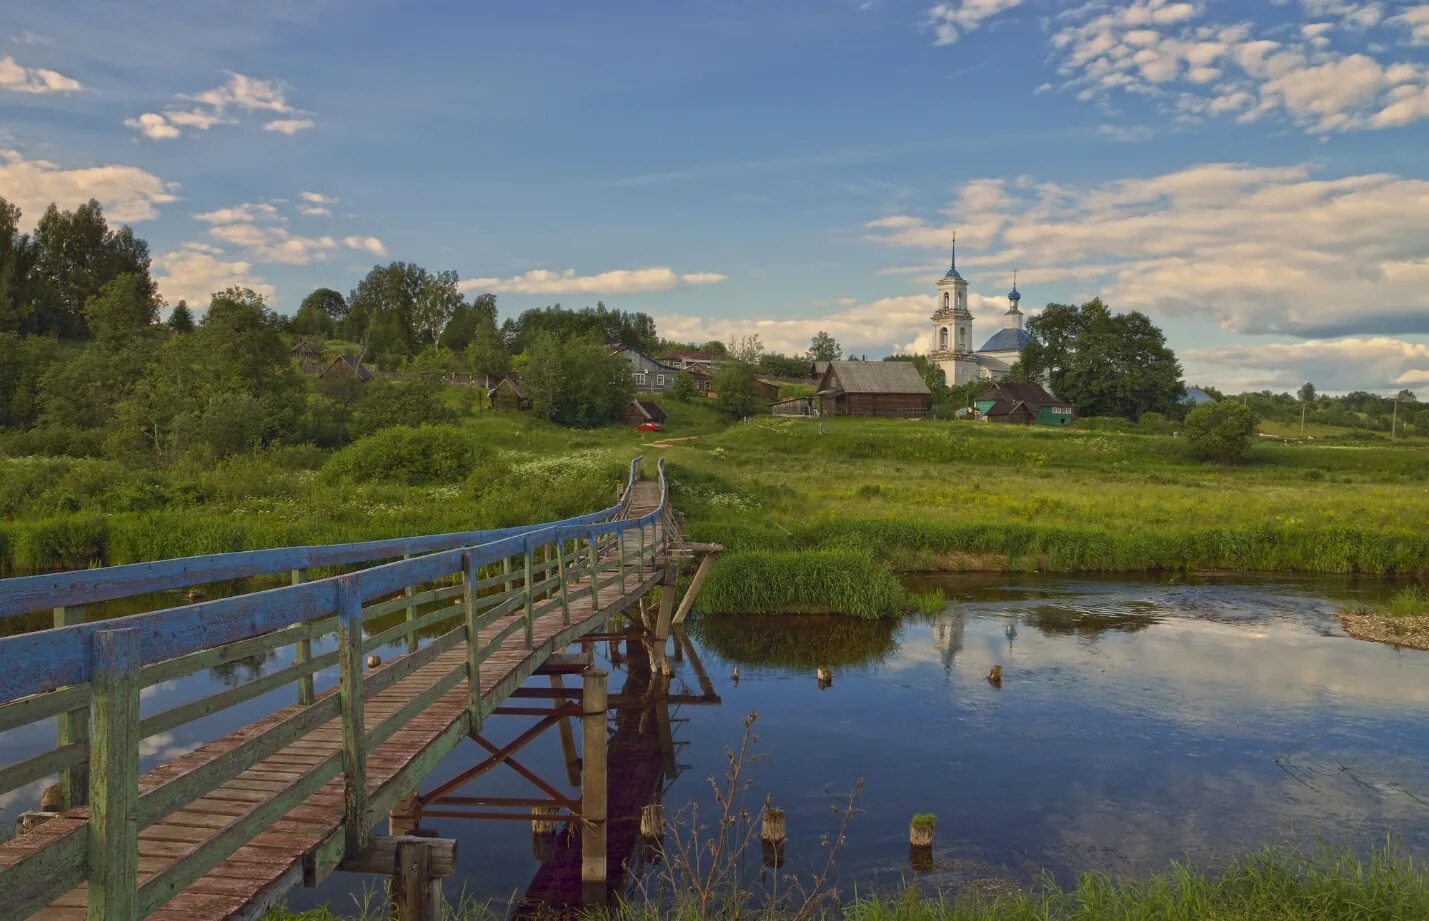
(311, 835)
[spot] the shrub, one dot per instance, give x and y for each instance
(684, 387)
(414, 456)
(408, 403)
(1220, 432)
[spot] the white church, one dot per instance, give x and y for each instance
(953, 333)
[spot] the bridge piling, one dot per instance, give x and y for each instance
(594, 701)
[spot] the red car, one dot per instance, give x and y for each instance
(648, 427)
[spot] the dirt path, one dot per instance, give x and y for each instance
(669, 442)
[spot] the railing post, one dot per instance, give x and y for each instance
(354, 732)
(530, 609)
(473, 640)
(594, 571)
(561, 568)
(113, 827)
(306, 692)
(74, 781)
(640, 567)
(409, 591)
(620, 555)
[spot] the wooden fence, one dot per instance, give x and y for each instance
(89, 677)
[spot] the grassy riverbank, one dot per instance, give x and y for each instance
(953, 496)
(1403, 620)
(1269, 886)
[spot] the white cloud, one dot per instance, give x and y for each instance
(1126, 134)
(1159, 50)
(289, 126)
(127, 193)
(194, 272)
(1255, 249)
(956, 18)
(617, 281)
(1354, 363)
(218, 106)
(1415, 21)
(20, 79)
(366, 244)
(315, 204)
(249, 211)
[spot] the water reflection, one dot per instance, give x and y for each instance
(803, 641)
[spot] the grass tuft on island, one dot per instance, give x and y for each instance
(1403, 620)
(1271, 885)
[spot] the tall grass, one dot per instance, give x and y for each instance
(814, 581)
(1268, 886)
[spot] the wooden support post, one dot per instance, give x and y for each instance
(594, 699)
(594, 572)
(402, 817)
(620, 555)
(306, 691)
(354, 734)
(416, 892)
(113, 828)
(473, 640)
(688, 602)
(663, 619)
(74, 781)
(530, 607)
(409, 591)
(565, 596)
(568, 741)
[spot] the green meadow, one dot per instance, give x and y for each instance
(815, 516)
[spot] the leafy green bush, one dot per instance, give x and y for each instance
(400, 454)
(1221, 432)
(407, 403)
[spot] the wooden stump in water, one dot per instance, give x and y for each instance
(52, 800)
(652, 821)
(826, 678)
(771, 826)
(920, 830)
(373, 661)
(994, 676)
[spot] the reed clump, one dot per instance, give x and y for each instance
(808, 582)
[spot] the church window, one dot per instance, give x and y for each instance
(945, 300)
(943, 335)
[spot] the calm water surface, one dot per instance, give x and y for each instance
(1139, 722)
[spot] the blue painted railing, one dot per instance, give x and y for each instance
(88, 676)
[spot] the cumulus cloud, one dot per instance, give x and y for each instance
(956, 18)
(1353, 363)
(1415, 21)
(315, 204)
(221, 105)
(1255, 249)
(127, 193)
(884, 326)
(366, 244)
(1165, 51)
(20, 79)
(195, 271)
(616, 281)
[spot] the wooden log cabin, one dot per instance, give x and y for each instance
(873, 388)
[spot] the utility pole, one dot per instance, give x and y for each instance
(1394, 422)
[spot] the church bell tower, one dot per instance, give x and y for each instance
(953, 327)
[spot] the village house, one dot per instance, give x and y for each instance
(650, 376)
(873, 388)
(507, 395)
(1022, 404)
(309, 355)
(346, 364)
(639, 412)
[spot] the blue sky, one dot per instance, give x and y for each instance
(1255, 176)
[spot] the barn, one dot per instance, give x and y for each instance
(642, 411)
(508, 396)
(873, 388)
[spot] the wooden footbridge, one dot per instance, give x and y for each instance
(225, 830)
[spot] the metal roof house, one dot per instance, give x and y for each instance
(1022, 404)
(873, 388)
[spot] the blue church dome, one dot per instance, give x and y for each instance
(1006, 340)
(1014, 295)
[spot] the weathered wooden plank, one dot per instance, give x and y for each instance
(113, 780)
(36, 707)
(187, 713)
(43, 765)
